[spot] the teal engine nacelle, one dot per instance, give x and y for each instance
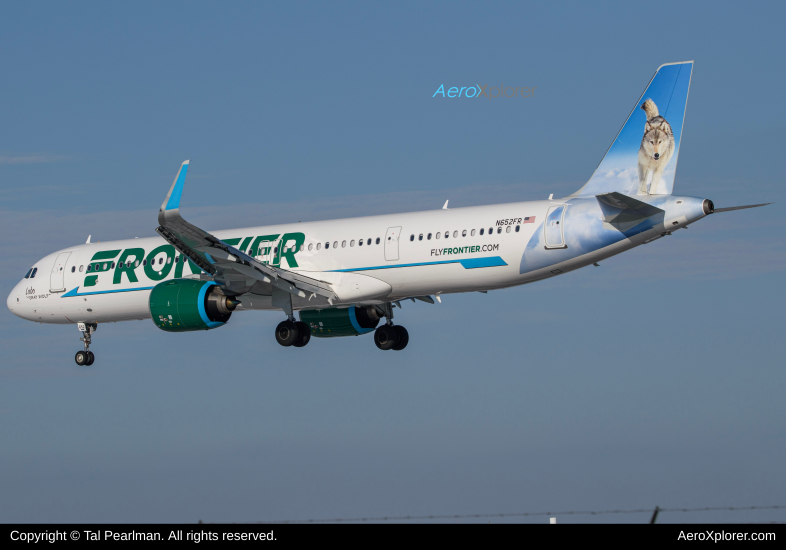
(182, 305)
(334, 322)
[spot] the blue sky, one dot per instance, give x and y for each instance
(550, 396)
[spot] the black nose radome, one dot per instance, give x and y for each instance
(708, 207)
(656, 155)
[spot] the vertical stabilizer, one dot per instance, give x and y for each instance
(642, 160)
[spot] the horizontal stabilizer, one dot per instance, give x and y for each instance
(729, 209)
(623, 212)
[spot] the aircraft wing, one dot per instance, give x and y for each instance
(221, 260)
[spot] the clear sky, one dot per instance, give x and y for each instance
(656, 379)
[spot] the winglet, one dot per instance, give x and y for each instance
(172, 200)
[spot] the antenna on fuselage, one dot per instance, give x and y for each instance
(88, 239)
(445, 206)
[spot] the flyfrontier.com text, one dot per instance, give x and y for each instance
(464, 249)
(480, 91)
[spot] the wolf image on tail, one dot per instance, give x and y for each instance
(657, 148)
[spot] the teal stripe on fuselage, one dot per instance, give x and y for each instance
(470, 263)
(76, 292)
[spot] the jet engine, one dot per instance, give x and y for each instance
(333, 322)
(182, 305)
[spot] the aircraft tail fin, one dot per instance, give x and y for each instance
(642, 159)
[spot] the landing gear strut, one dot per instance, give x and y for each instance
(390, 336)
(86, 358)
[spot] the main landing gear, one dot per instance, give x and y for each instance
(390, 336)
(86, 358)
(293, 333)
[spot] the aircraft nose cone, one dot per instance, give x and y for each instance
(11, 301)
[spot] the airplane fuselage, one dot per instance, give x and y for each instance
(368, 260)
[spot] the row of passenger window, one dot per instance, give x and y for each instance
(318, 246)
(438, 235)
(105, 266)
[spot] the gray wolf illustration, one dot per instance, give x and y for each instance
(657, 148)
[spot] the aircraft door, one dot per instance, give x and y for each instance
(391, 243)
(57, 277)
(554, 229)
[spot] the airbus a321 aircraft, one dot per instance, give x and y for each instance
(343, 277)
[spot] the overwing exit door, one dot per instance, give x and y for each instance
(391, 243)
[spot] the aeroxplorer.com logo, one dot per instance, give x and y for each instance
(478, 91)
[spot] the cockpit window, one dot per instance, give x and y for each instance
(35, 270)
(29, 271)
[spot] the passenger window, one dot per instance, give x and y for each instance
(89, 268)
(360, 242)
(517, 228)
(428, 236)
(499, 229)
(136, 263)
(335, 244)
(369, 242)
(507, 230)
(168, 260)
(73, 268)
(491, 230)
(81, 268)
(481, 230)
(310, 247)
(327, 245)
(473, 233)
(319, 246)
(447, 234)
(412, 237)
(113, 265)
(464, 233)
(144, 262)
(302, 246)
(343, 244)
(377, 240)
(439, 235)
(455, 234)
(352, 243)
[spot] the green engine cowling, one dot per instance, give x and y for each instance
(334, 322)
(182, 305)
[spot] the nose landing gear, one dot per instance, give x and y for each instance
(86, 358)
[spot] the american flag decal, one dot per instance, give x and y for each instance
(529, 219)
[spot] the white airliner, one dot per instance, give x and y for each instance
(344, 276)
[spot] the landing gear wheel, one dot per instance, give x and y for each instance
(403, 338)
(90, 358)
(82, 358)
(304, 334)
(286, 333)
(385, 337)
